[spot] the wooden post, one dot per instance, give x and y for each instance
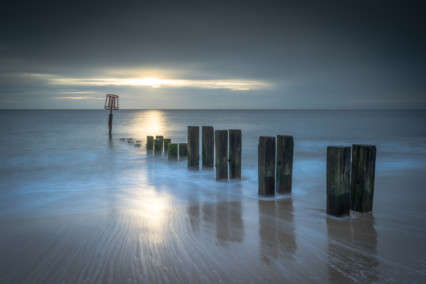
(149, 143)
(193, 147)
(110, 122)
(166, 142)
(221, 144)
(338, 180)
(362, 177)
(207, 138)
(285, 146)
(266, 166)
(158, 144)
(172, 151)
(183, 150)
(235, 153)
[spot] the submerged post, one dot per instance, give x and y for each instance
(193, 147)
(266, 166)
(235, 153)
(158, 144)
(183, 150)
(166, 143)
(149, 143)
(111, 103)
(221, 144)
(172, 150)
(338, 180)
(285, 146)
(362, 177)
(207, 137)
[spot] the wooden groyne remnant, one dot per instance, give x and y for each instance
(193, 147)
(172, 151)
(235, 154)
(350, 186)
(221, 160)
(338, 180)
(275, 165)
(207, 151)
(362, 177)
(266, 165)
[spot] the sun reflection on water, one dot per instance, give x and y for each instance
(149, 123)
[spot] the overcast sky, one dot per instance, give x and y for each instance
(213, 54)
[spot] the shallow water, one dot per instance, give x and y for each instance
(79, 206)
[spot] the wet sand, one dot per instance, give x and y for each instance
(224, 238)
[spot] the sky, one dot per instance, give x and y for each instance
(364, 54)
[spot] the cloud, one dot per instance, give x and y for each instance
(229, 84)
(77, 98)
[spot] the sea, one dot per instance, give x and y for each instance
(80, 205)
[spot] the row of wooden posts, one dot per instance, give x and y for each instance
(226, 160)
(350, 186)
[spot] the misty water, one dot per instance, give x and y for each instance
(80, 206)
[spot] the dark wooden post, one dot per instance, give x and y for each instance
(266, 166)
(221, 145)
(183, 150)
(362, 177)
(207, 138)
(166, 142)
(285, 146)
(338, 180)
(172, 150)
(235, 153)
(110, 122)
(158, 144)
(193, 147)
(149, 143)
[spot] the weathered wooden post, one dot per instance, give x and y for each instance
(266, 166)
(285, 146)
(183, 150)
(193, 147)
(149, 143)
(235, 153)
(338, 180)
(221, 145)
(158, 144)
(362, 177)
(172, 151)
(207, 137)
(166, 143)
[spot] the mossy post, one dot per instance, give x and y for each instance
(149, 143)
(285, 147)
(172, 150)
(362, 177)
(207, 151)
(221, 145)
(183, 150)
(158, 144)
(235, 153)
(193, 147)
(338, 180)
(166, 143)
(266, 166)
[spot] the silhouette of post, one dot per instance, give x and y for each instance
(193, 147)
(158, 144)
(235, 153)
(172, 151)
(207, 137)
(221, 144)
(285, 146)
(338, 180)
(266, 166)
(362, 177)
(149, 143)
(166, 143)
(183, 150)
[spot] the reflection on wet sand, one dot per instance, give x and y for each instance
(352, 246)
(276, 229)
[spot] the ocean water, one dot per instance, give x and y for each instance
(80, 206)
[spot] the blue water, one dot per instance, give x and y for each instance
(64, 163)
